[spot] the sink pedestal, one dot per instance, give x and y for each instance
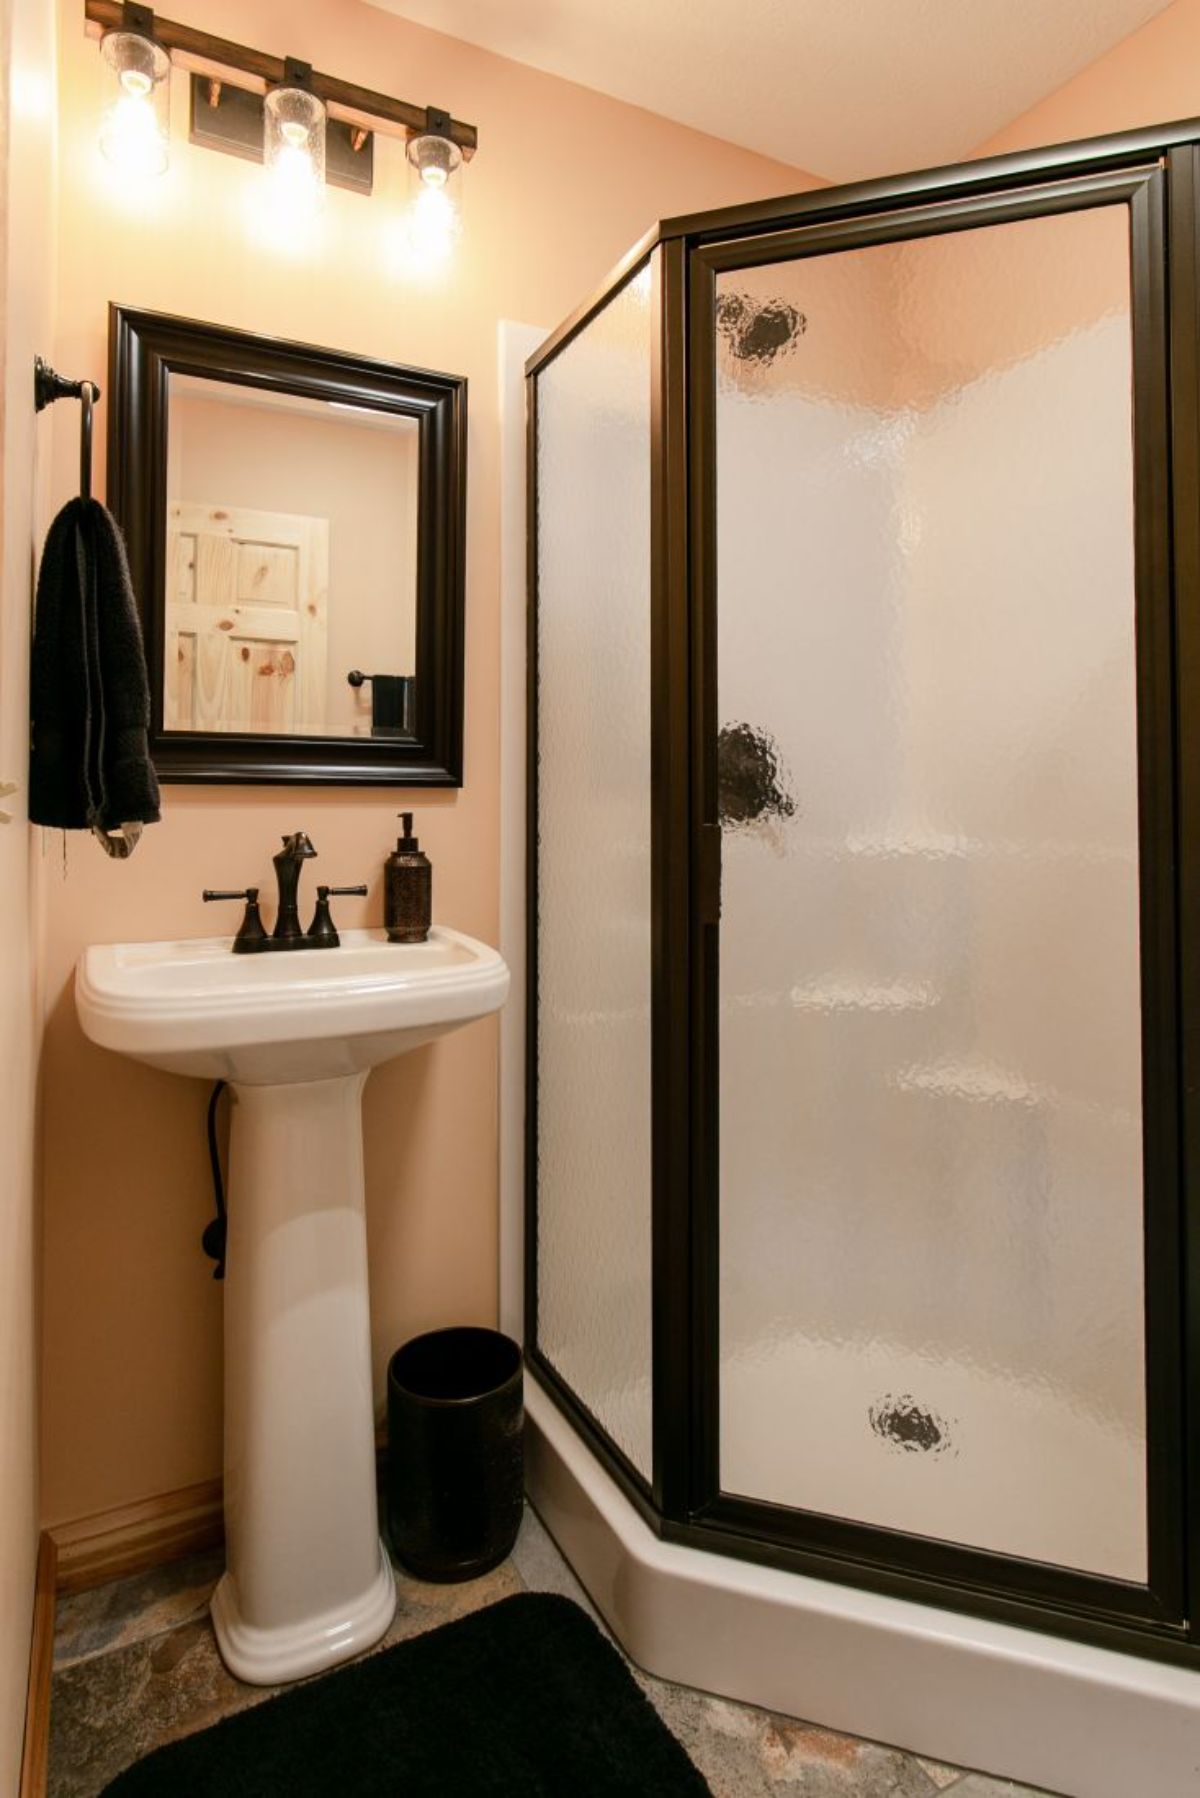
(307, 1582)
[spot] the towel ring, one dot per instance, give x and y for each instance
(88, 395)
(49, 386)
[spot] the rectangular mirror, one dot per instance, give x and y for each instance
(291, 596)
(294, 518)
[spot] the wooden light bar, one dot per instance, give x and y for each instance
(205, 54)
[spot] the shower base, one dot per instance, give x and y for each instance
(1076, 1719)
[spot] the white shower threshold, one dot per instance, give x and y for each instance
(1063, 1715)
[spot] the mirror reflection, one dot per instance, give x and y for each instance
(291, 564)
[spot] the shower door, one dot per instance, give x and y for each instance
(938, 1288)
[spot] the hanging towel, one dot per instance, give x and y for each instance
(89, 765)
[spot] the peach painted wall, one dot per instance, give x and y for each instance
(1150, 78)
(565, 180)
(26, 322)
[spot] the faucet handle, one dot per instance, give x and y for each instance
(322, 932)
(252, 934)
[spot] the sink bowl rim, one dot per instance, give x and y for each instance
(318, 1026)
(104, 988)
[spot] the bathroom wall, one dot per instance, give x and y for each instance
(26, 320)
(1151, 77)
(564, 181)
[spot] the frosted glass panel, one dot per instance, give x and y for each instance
(930, 1115)
(593, 1037)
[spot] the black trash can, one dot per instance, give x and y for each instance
(455, 1451)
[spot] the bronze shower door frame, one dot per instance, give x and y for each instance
(1156, 174)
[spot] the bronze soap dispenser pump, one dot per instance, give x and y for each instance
(407, 889)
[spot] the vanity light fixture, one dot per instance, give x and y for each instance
(135, 130)
(280, 110)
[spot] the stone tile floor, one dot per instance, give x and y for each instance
(136, 1665)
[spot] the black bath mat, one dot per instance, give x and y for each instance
(524, 1698)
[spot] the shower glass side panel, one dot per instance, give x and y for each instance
(931, 1291)
(590, 1143)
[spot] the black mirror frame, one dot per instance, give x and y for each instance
(145, 348)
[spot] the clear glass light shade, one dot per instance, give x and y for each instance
(435, 182)
(294, 143)
(135, 131)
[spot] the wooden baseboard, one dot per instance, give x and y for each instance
(35, 1756)
(109, 1545)
(133, 1538)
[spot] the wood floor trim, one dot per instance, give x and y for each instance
(35, 1754)
(112, 1544)
(133, 1538)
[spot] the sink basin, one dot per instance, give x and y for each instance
(192, 1007)
(307, 1581)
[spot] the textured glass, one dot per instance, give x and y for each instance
(593, 1042)
(930, 1115)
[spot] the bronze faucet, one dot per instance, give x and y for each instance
(252, 937)
(296, 850)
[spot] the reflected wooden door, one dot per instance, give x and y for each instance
(246, 619)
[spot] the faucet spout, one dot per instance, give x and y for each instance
(297, 847)
(288, 861)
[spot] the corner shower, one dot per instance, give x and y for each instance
(863, 562)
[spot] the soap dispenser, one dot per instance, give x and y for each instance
(407, 889)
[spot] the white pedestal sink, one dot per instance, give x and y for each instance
(307, 1580)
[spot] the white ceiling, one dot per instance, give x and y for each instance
(842, 88)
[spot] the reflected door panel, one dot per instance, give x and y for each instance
(930, 1095)
(246, 619)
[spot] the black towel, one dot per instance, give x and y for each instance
(89, 764)
(391, 705)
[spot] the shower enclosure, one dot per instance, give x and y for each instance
(864, 789)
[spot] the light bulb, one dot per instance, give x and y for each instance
(130, 138)
(135, 129)
(294, 165)
(435, 158)
(436, 215)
